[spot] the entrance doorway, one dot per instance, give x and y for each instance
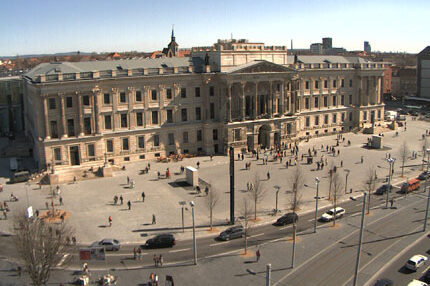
(277, 139)
(264, 136)
(250, 142)
(74, 156)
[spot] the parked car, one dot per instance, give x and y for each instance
(161, 240)
(416, 262)
(287, 219)
(382, 189)
(423, 176)
(232, 233)
(331, 214)
(416, 282)
(426, 276)
(384, 282)
(109, 244)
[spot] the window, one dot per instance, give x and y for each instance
(198, 113)
(57, 155)
(91, 152)
(185, 137)
(184, 114)
(169, 116)
(154, 117)
(52, 103)
(307, 103)
(334, 99)
(325, 101)
(236, 135)
(106, 98)
(316, 102)
(316, 84)
(326, 119)
(350, 99)
(343, 116)
(139, 119)
(141, 142)
(124, 123)
(334, 118)
(154, 94)
(342, 100)
(156, 140)
(364, 115)
(86, 100)
(325, 83)
(307, 85)
(125, 146)
(334, 83)
(342, 83)
(138, 96)
(215, 134)
(69, 102)
(307, 121)
(350, 116)
(197, 91)
(70, 127)
(379, 114)
(169, 93)
(199, 136)
(87, 125)
(122, 97)
(171, 138)
(317, 120)
(350, 83)
(108, 122)
(109, 146)
(183, 92)
(211, 91)
(212, 110)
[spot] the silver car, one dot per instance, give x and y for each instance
(109, 244)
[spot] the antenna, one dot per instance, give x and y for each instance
(232, 36)
(291, 43)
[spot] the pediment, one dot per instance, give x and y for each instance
(259, 67)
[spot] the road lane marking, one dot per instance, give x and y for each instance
(425, 270)
(282, 228)
(219, 243)
(63, 259)
(179, 250)
(260, 234)
(122, 254)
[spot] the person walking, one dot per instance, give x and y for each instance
(110, 221)
(128, 180)
(139, 253)
(75, 180)
(258, 254)
(391, 203)
(268, 175)
(47, 205)
(161, 260)
(155, 258)
(153, 219)
(143, 197)
(61, 200)
(362, 159)
(129, 205)
(121, 199)
(135, 253)
(115, 199)
(198, 164)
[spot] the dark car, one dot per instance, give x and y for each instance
(423, 176)
(232, 233)
(382, 189)
(287, 219)
(384, 282)
(426, 276)
(161, 240)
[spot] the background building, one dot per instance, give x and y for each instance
(327, 43)
(423, 73)
(367, 47)
(11, 106)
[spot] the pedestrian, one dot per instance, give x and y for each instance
(155, 258)
(391, 203)
(128, 180)
(62, 217)
(268, 175)
(362, 159)
(143, 197)
(139, 253)
(206, 190)
(121, 199)
(154, 221)
(129, 205)
(47, 205)
(341, 163)
(110, 221)
(61, 200)
(5, 214)
(135, 253)
(198, 164)
(37, 213)
(258, 254)
(149, 166)
(19, 270)
(115, 199)
(211, 156)
(161, 260)
(74, 240)
(40, 185)
(75, 180)
(238, 157)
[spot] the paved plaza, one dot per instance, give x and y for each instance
(90, 202)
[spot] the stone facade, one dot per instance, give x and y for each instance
(78, 114)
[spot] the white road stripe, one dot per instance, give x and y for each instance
(425, 270)
(260, 234)
(179, 250)
(219, 243)
(63, 259)
(122, 254)
(282, 228)
(312, 219)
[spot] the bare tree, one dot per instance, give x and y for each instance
(246, 214)
(337, 192)
(404, 154)
(40, 245)
(257, 193)
(425, 146)
(211, 200)
(370, 184)
(297, 181)
(330, 177)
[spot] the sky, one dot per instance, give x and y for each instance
(50, 26)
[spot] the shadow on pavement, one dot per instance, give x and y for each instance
(383, 239)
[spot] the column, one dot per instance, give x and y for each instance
(63, 116)
(97, 103)
(45, 113)
(270, 101)
(256, 100)
(243, 83)
(81, 115)
(93, 115)
(131, 119)
(282, 101)
(229, 103)
(114, 107)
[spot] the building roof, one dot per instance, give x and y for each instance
(91, 66)
(259, 66)
(326, 59)
(425, 53)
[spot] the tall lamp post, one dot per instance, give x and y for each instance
(390, 174)
(277, 193)
(182, 204)
(317, 181)
(346, 180)
(192, 204)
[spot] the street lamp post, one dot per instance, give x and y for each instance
(346, 180)
(277, 193)
(357, 263)
(317, 181)
(194, 234)
(182, 204)
(391, 162)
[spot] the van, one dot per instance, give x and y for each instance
(410, 186)
(19, 177)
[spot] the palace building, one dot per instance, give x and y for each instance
(234, 93)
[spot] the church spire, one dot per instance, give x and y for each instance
(173, 34)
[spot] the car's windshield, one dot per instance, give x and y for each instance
(330, 212)
(411, 262)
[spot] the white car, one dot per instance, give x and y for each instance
(417, 283)
(330, 214)
(416, 262)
